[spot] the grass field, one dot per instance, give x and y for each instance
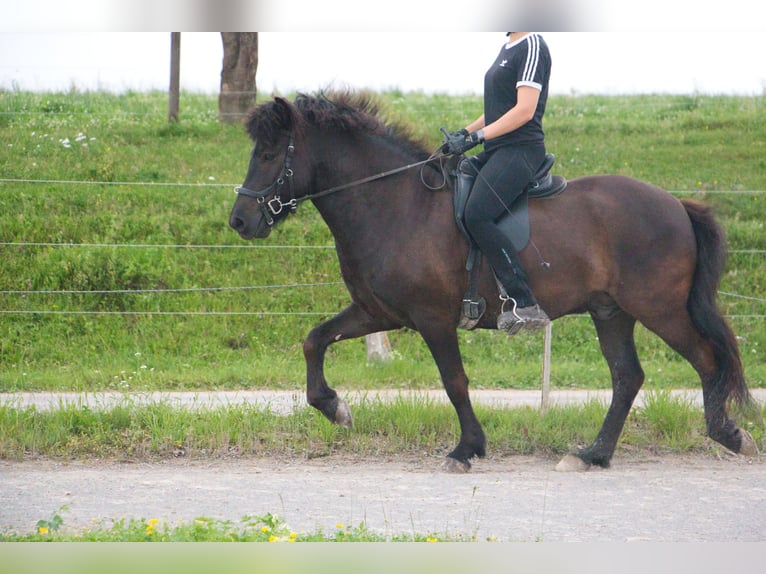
(132, 302)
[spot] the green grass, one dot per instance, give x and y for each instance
(404, 426)
(689, 144)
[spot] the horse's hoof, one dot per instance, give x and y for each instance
(343, 415)
(572, 463)
(455, 466)
(748, 446)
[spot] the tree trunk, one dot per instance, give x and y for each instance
(240, 62)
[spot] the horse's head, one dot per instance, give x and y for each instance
(267, 194)
(326, 139)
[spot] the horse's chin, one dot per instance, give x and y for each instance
(259, 234)
(261, 231)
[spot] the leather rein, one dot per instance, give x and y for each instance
(275, 205)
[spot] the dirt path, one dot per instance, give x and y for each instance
(690, 498)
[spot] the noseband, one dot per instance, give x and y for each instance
(275, 205)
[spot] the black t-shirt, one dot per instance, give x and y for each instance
(526, 62)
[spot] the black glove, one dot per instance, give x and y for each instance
(460, 141)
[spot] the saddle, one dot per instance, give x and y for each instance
(514, 224)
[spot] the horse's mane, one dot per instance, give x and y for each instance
(339, 111)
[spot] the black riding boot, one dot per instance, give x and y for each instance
(524, 313)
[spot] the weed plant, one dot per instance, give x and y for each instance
(266, 528)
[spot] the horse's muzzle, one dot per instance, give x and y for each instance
(249, 229)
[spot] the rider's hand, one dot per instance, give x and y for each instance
(460, 141)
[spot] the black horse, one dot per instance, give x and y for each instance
(618, 248)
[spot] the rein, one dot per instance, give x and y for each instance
(275, 205)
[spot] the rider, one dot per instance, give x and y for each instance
(515, 94)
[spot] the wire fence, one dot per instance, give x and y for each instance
(234, 185)
(25, 292)
(221, 289)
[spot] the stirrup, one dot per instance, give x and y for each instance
(510, 321)
(513, 322)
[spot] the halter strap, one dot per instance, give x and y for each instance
(285, 176)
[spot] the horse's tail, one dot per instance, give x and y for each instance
(702, 304)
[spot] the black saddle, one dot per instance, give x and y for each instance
(543, 183)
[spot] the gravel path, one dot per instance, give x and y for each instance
(513, 499)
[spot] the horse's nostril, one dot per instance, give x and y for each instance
(237, 223)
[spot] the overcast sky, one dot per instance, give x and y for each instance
(730, 62)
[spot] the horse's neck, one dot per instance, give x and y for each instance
(384, 198)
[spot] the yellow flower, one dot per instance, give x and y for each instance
(432, 539)
(273, 538)
(154, 521)
(265, 529)
(293, 536)
(339, 526)
(42, 530)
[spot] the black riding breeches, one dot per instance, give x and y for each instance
(504, 175)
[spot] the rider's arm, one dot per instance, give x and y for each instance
(517, 116)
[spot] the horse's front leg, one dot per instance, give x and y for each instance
(444, 347)
(350, 323)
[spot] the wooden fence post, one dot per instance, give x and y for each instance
(378, 347)
(544, 401)
(175, 76)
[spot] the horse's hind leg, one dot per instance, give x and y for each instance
(720, 378)
(350, 323)
(618, 347)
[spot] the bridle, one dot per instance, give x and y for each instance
(275, 206)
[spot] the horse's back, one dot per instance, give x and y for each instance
(625, 208)
(610, 235)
